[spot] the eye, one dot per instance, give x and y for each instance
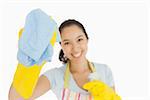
(80, 39)
(66, 43)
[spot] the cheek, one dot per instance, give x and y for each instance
(84, 46)
(67, 50)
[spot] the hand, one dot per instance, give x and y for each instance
(100, 91)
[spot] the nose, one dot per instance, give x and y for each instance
(76, 48)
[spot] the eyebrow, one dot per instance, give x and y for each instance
(76, 37)
(80, 36)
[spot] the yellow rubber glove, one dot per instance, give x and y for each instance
(100, 91)
(25, 78)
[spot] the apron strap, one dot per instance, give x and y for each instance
(67, 73)
(67, 76)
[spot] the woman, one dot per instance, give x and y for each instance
(68, 80)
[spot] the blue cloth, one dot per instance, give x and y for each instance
(34, 43)
(28, 61)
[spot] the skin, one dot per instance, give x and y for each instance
(74, 45)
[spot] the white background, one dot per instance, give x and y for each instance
(118, 31)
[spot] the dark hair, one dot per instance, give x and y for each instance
(68, 23)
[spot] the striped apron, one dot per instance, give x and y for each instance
(67, 94)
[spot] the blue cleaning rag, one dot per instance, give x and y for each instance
(34, 43)
(28, 61)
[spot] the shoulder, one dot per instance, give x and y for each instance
(105, 73)
(55, 73)
(101, 67)
(103, 70)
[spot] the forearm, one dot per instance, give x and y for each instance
(13, 95)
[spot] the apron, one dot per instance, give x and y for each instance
(67, 94)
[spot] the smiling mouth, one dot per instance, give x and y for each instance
(77, 55)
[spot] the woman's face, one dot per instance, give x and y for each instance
(74, 43)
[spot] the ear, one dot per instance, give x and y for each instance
(60, 44)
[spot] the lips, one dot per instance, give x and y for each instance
(77, 55)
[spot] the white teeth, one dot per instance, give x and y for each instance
(77, 55)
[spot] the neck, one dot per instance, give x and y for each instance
(79, 67)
